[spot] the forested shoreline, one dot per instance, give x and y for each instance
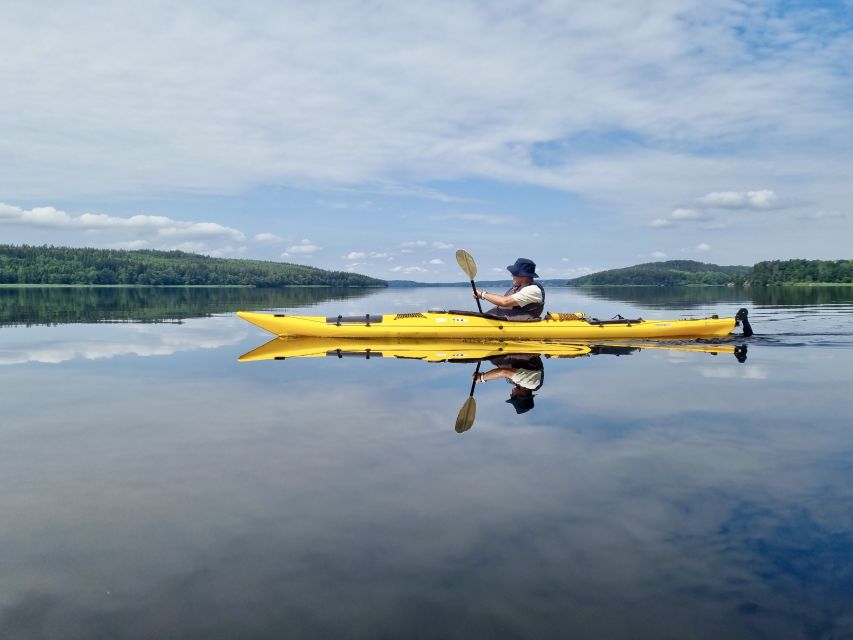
(675, 273)
(776, 272)
(29, 305)
(27, 264)
(671, 273)
(49, 265)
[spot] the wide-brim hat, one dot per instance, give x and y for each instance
(522, 403)
(523, 268)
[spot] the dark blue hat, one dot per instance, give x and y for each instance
(523, 267)
(522, 403)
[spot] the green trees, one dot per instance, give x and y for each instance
(64, 265)
(801, 271)
(671, 273)
(59, 305)
(688, 272)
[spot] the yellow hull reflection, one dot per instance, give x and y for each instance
(451, 350)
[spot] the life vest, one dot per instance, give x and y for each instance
(530, 311)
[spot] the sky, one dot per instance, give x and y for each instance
(379, 136)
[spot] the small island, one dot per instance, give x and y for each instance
(48, 265)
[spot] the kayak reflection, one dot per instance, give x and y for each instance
(428, 350)
(519, 363)
(463, 350)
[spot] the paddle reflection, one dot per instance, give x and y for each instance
(519, 363)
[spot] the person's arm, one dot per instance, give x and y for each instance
(498, 301)
(495, 374)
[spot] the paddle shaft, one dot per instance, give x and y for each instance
(474, 288)
(474, 382)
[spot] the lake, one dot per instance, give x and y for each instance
(155, 487)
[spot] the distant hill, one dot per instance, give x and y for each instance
(669, 273)
(801, 272)
(64, 265)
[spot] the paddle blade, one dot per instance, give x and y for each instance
(466, 415)
(467, 263)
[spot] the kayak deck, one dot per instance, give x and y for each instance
(454, 325)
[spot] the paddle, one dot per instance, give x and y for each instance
(469, 410)
(470, 268)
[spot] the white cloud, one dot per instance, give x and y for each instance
(764, 199)
(658, 255)
(479, 99)
(703, 247)
(576, 272)
(340, 204)
(355, 255)
(199, 230)
(436, 261)
(115, 340)
(130, 245)
(159, 227)
(692, 106)
(707, 208)
(401, 269)
(224, 252)
(415, 243)
(483, 218)
(688, 214)
(304, 248)
(442, 245)
(268, 238)
(189, 247)
(381, 254)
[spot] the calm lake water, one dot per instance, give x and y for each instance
(155, 487)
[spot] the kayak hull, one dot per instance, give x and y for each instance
(464, 326)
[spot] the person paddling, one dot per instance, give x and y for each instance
(524, 300)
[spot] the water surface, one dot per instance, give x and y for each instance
(156, 487)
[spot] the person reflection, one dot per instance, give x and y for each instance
(525, 372)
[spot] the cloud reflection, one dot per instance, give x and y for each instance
(114, 340)
(328, 497)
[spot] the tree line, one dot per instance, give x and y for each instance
(800, 271)
(27, 264)
(61, 305)
(672, 273)
(675, 273)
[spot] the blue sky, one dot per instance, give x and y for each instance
(378, 136)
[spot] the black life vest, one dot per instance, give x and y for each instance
(530, 311)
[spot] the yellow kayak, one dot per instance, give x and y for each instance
(456, 325)
(450, 350)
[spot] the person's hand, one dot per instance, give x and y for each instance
(476, 294)
(479, 377)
